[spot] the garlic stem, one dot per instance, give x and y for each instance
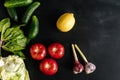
(83, 56)
(74, 53)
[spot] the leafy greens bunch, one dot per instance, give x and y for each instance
(12, 38)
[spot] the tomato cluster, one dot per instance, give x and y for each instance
(47, 66)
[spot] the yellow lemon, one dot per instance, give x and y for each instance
(66, 22)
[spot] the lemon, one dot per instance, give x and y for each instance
(65, 22)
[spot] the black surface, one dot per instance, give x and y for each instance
(97, 32)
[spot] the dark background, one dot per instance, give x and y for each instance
(96, 31)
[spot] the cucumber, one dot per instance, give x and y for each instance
(34, 28)
(28, 13)
(12, 13)
(17, 3)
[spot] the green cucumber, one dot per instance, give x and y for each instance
(12, 13)
(29, 12)
(17, 3)
(34, 28)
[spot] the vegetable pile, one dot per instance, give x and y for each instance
(48, 66)
(12, 39)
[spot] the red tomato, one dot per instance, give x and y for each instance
(56, 50)
(48, 66)
(38, 51)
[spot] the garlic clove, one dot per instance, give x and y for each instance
(90, 68)
(78, 68)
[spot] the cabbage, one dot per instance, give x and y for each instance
(13, 68)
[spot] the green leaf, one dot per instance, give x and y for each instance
(15, 44)
(3, 23)
(20, 54)
(7, 35)
(12, 32)
(14, 39)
